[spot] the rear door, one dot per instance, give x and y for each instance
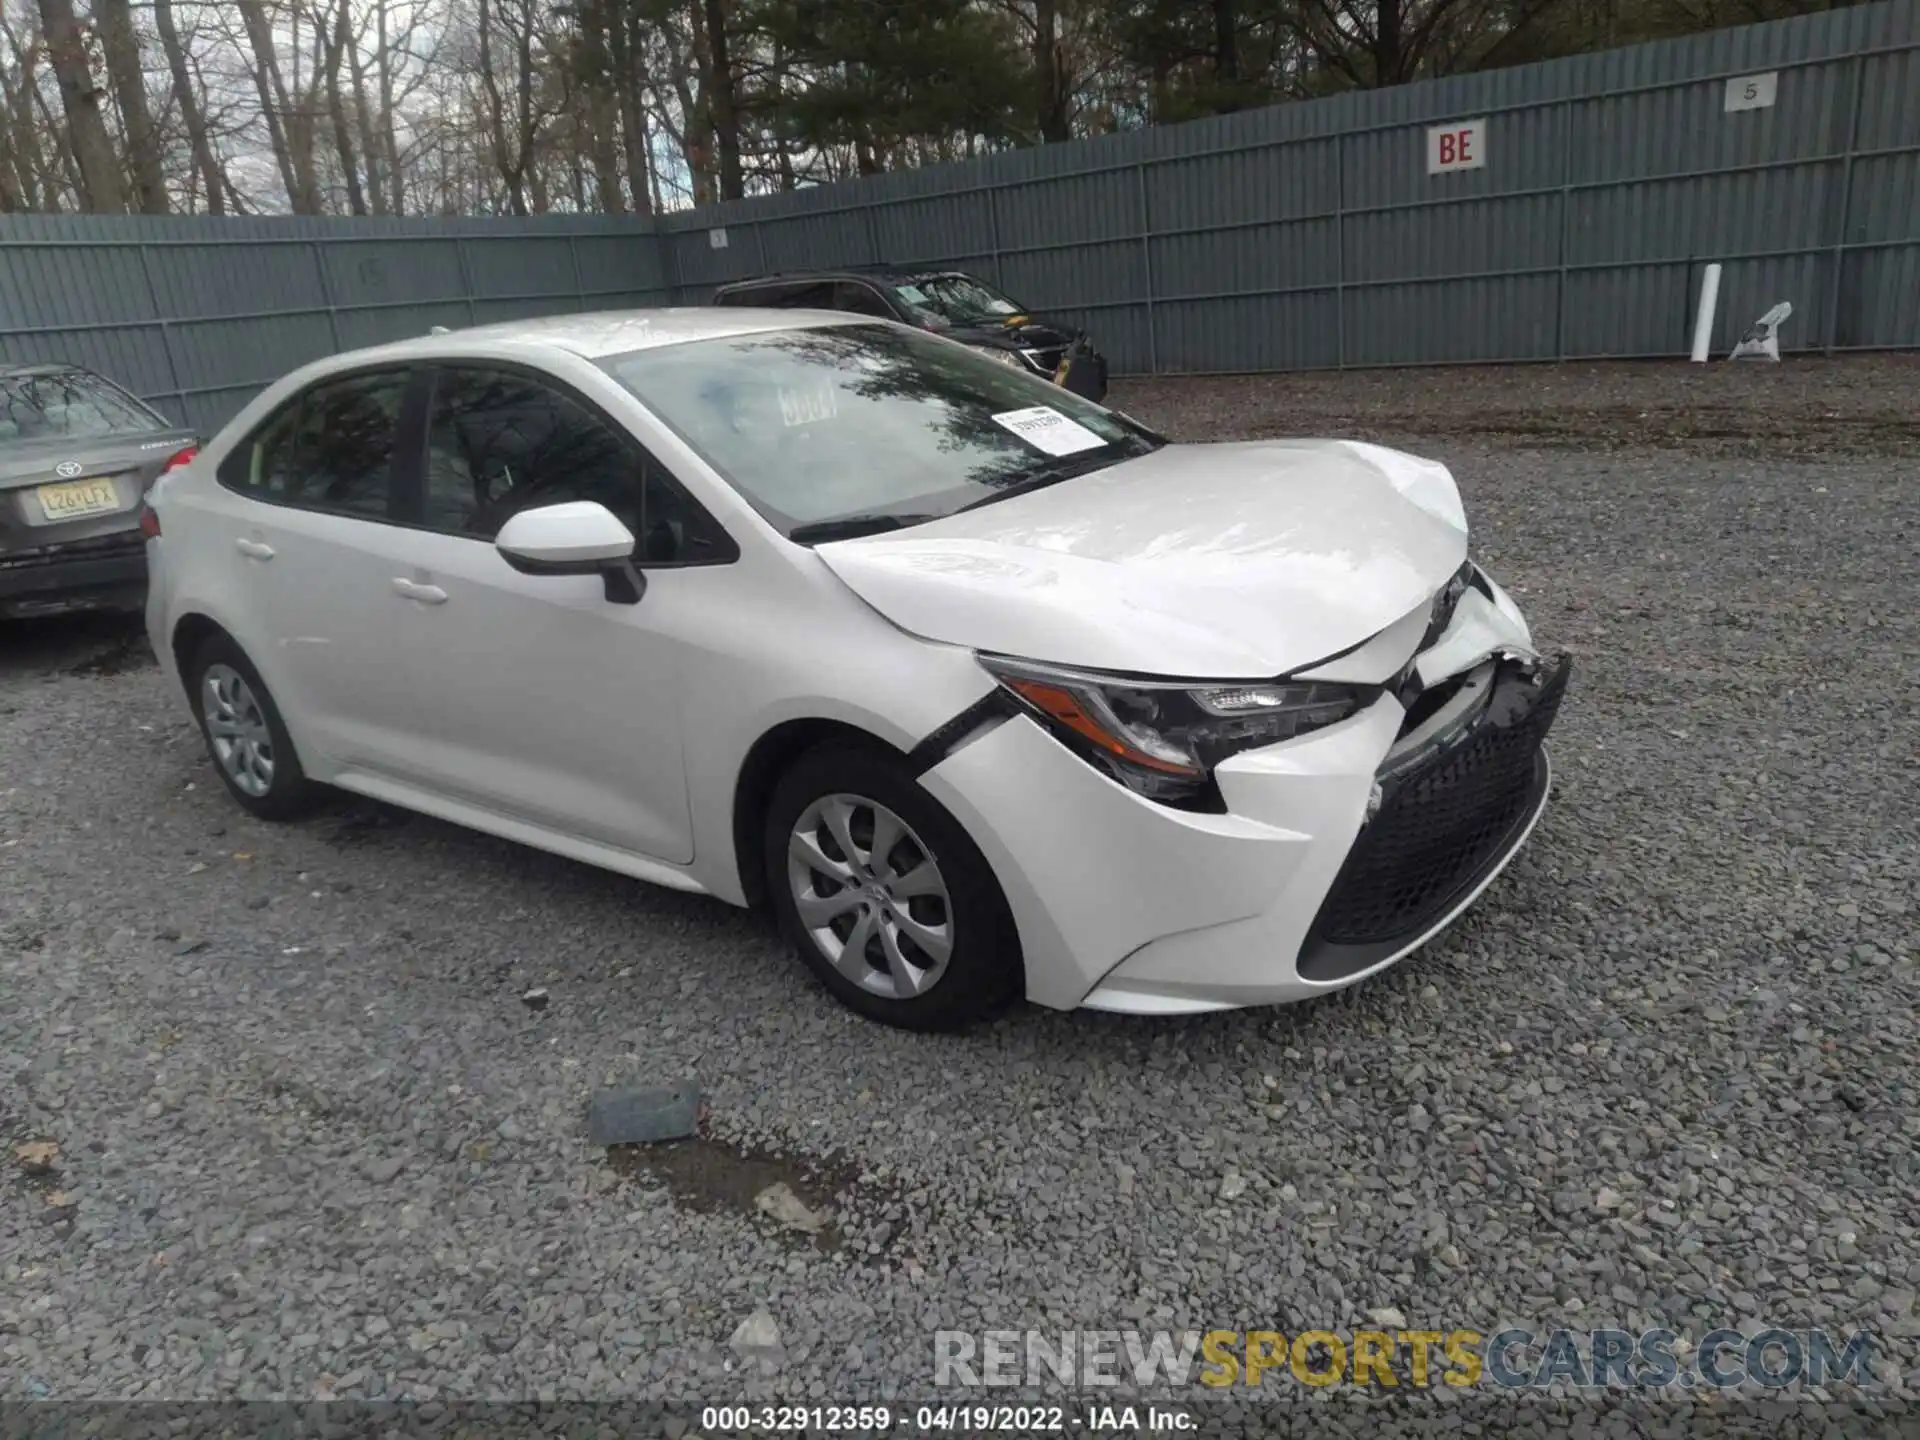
(313, 551)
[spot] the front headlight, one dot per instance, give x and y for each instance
(1005, 357)
(1162, 739)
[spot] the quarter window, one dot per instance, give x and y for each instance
(499, 441)
(331, 449)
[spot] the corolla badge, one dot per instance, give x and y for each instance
(68, 469)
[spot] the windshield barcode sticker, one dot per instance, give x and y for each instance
(803, 407)
(1047, 429)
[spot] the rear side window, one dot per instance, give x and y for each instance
(813, 296)
(68, 404)
(784, 295)
(330, 449)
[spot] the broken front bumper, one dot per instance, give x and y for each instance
(1444, 827)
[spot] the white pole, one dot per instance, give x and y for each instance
(1703, 322)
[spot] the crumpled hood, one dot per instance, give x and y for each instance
(1212, 561)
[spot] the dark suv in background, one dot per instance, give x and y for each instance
(953, 303)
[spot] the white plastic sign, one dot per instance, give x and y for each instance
(1459, 145)
(1753, 92)
(1045, 428)
(717, 239)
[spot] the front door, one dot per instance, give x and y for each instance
(544, 700)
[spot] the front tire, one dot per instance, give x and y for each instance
(246, 738)
(885, 898)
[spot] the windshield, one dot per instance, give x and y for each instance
(957, 299)
(872, 425)
(67, 404)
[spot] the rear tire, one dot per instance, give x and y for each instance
(903, 920)
(246, 738)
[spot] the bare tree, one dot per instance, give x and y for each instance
(335, 35)
(23, 183)
(294, 157)
(92, 148)
(596, 107)
(722, 97)
(113, 20)
(372, 147)
(626, 56)
(1051, 98)
(192, 116)
(383, 65)
(513, 151)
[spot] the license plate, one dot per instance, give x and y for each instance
(99, 496)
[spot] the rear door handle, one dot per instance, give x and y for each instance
(413, 590)
(253, 549)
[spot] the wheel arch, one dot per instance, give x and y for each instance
(766, 761)
(190, 632)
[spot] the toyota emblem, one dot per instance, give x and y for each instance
(68, 469)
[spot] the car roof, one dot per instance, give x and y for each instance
(895, 273)
(48, 367)
(592, 334)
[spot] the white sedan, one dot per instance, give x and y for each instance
(988, 691)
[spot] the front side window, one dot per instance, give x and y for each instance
(330, 449)
(861, 299)
(826, 431)
(501, 441)
(67, 405)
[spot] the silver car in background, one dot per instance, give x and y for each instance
(77, 456)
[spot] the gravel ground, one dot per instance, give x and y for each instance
(312, 1141)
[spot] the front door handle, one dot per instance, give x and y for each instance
(413, 590)
(253, 549)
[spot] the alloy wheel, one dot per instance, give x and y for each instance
(237, 726)
(870, 895)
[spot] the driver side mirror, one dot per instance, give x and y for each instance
(575, 537)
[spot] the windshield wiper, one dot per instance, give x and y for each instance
(1041, 478)
(851, 527)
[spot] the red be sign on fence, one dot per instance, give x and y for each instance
(1461, 145)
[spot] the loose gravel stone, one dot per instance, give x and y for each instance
(325, 1148)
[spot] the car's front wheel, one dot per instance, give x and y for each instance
(246, 738)
(884, 896)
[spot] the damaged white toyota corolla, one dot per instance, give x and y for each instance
(987, 690)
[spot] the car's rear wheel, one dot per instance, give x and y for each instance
(884, 896)
(246, 738)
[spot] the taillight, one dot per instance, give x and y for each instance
(179, 458)
(149, 523)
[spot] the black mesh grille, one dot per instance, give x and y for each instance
(1440, 825)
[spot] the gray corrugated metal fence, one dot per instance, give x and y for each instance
(1299, 236)
(1312, 235)
(198, 314)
